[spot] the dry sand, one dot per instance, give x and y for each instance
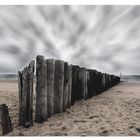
(115, 112)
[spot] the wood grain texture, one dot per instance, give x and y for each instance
(5, 120)
(50, 86)
(41, 90)
(25, 86)
(69, 85)
(58, 86)
(65, 92)
(83, 80)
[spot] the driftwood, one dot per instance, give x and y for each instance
(5, 120)
(25, 84)
(41, 90)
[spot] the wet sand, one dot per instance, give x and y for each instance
(115, 112)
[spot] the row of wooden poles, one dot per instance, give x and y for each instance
(58, 86)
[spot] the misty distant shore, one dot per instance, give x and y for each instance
(131, 78)
(135, 78)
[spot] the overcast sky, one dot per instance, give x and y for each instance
(106, 38)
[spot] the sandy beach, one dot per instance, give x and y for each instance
(115, 112)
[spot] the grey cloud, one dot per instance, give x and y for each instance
(98, 37)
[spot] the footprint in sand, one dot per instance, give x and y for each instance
(64, 128)
(79, 121)
(103, 133)
(138, 130)
(95, 116)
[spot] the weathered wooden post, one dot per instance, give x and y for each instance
(21, 117)
(118, 79)
(109, 81)
(83, 80)
(41, 90)
(50, 85)
(113, 80)
(65, 92)
(104, 81)
(92, 83)
(69, 85)
(76, 84)
(87, 79)
(98, 82)
(58, 86)
(30, 94)
(5, 120)
(89, 83)
(25, 84)
(100, 88)
(111, 76)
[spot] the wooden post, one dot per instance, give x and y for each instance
(118, 79)
(115, 80)
(109, 81)
(76, 84)
(96, 82)
(21, 117)
(69, 85)
(87, 79)
(58, 86)
(23, 96)
(65, 92)
(99, 82)
(102, 86)
(25, 84)
(50, 86)
(30, 94)
(92, 83)
(25, 90)
(83, 79)
(104, 82)
(5, 120)
(41, 90)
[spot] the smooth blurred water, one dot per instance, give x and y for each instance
(135, 78)
(132, 78)
(8, 77)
